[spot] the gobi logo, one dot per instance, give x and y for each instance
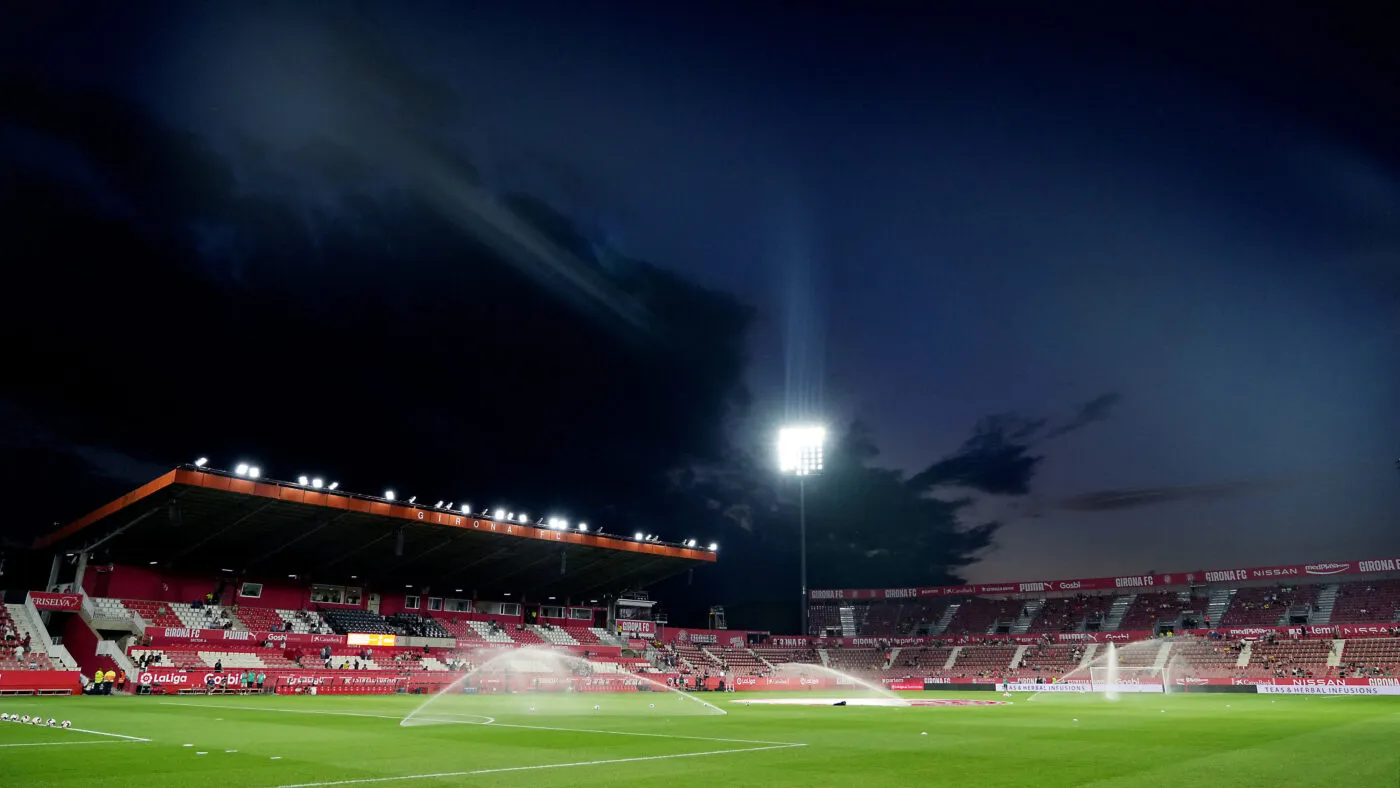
(1070, 586)
(1383, 565)
(1334, 568)
(1116, 636)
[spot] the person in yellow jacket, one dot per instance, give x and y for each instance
(97, 677)
(107, 681)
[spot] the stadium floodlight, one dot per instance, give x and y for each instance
(639, 536)
(466, 508)
(388, 495)
(500, 514)
(438, 505)
(448, 506)
(254, 472)
(583, 527)
(332, 485)
(510, 515)
(303, 481)
(524, 518)
(412, 499)
(800, 450)
(714, 547)
(317, 483)
(201, 462)
(241, 469)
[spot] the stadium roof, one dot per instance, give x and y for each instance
(200, 520)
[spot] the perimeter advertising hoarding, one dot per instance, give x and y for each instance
(364, 639)
(1283, 572)
(1081, 687)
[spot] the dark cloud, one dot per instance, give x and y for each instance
(1095, 410)
(1112, 500)
(996, 460)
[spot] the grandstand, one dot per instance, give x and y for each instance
(328, 582)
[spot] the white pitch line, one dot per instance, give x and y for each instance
(439, 775)
(652, 735)
(63, 743)
(492, 723)
(123, 739)
(103, 733)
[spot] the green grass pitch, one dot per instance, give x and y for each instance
(1235, 740)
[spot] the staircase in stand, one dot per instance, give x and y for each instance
(760, 658)
(1018, 656)
(947, 618)
(1163, 654)
(1326, 600)
(1219, 603)
(848, 622)
(1088, 658)
(1023, 622)
(1245, 654)
(1116, 611)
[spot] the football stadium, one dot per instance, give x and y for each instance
(240, 631)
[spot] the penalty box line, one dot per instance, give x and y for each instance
(543, 766)
(120, 738)
(492, 723)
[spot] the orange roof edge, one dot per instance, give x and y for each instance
(149, 488)
(346, 502)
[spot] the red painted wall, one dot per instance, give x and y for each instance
(142, 582)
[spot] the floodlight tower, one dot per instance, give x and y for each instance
(800, 454)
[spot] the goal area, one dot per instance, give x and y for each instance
(1121, 678)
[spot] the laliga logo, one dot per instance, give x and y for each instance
(162, 678)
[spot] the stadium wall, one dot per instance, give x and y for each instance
(121, 581)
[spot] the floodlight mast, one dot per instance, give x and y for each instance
(800, 450)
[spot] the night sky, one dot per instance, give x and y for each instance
(1124, 289)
